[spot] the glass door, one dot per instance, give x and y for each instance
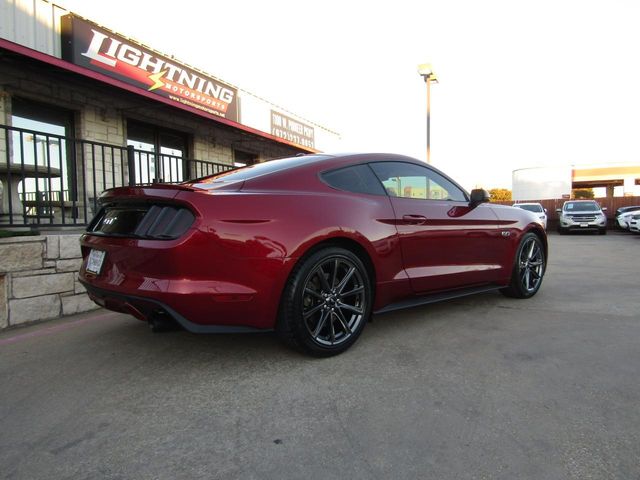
(159, 153)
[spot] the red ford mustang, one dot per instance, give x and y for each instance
(310, 246)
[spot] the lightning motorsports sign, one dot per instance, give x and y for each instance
(100, 50)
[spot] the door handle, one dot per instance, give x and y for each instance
(414, 219)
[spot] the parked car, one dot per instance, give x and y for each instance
(308, 246)
(623, 219)
(536, 208)
(582, 215)
(622, 210)
(634, 223)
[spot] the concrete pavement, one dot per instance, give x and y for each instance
(484, 387)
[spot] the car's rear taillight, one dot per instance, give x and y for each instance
(160, 222)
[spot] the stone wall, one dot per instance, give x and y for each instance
(39, 279)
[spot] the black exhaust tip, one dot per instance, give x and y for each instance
(160, 322)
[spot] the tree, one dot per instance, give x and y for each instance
(500, 195)
(583, 193)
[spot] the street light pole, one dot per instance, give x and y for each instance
(426, 80)
(429, 76)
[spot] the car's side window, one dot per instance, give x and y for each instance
(357, 179)
(413, 181)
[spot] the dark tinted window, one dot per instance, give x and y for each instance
(408, 180)
(253, 171)
(358, 179)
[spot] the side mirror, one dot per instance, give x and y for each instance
(604, 209)
(478, 196)
(558, 210)
(545, 210)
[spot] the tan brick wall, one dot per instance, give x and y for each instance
(4, 309)
(3, 119)
(38, 279)
(4, 98)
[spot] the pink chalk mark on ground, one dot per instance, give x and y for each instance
(43, 332)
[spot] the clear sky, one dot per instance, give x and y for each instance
(522, 84)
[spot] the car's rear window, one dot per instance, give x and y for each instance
(356, 178)
(252, 171)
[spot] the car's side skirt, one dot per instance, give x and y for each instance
(437, 297)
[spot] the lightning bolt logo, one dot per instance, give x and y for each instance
(157, 82)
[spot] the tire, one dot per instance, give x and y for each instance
(529, 266)
(602, 231)
(562, 231)
(326, 303)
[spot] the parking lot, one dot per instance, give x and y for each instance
(482, 387)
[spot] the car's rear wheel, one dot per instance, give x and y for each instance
(326, 303)
(528, 269)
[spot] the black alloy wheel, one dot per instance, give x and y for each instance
(326, 303)
(528, 269)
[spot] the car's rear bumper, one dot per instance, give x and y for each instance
(145, 308)
(189, 279)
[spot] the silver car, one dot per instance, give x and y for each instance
(582, 215)
(536, 208)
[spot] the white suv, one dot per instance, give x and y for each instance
(536, 208)
(582, 215)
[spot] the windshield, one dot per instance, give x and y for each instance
(530, 208)
(581, 206)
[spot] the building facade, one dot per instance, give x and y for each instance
(83, 109)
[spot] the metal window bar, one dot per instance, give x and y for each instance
(104, 169)
(61, 196)
(74, 202)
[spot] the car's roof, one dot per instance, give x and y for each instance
(315, 161)
(527, 203)
(632, 211)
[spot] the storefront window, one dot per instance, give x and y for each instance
(243, 159)
(41, 151)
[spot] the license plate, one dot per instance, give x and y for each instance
(584, 224)
(95, 260)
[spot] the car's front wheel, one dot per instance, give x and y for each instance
(528, 269)
(326, 302)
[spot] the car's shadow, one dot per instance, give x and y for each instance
(133, 337)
